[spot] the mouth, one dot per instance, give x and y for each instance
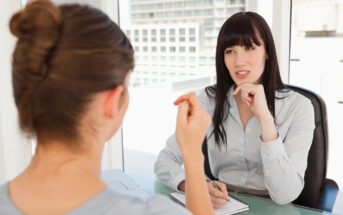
(242, 73)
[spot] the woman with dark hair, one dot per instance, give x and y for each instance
(261, 131)
(70, 73)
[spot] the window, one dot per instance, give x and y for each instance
(316, 63)
(174, 60)
(145, 32)
(163, 32)
(192, 31)
(136, 33)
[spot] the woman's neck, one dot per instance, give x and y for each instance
(244, 111)
(57, 157)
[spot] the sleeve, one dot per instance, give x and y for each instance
(168, 164)
(285, 162)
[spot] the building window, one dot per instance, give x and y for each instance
(192, 31)
(145, 32)
(171, 31)
(163, 32)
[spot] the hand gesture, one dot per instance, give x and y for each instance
(192, 123)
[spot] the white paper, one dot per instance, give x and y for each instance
(231, 207)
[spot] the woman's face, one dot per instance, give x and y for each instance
(245, 65)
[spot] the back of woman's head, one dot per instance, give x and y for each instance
(64, 56)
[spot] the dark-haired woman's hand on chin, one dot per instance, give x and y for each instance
(191, 126)
(253, 95)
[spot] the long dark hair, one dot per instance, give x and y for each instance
(243, 29)
(64, 55)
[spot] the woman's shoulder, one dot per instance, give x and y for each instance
(290, 96)
(113, 202)
(6, 205)
(288, 100)
(207, 94)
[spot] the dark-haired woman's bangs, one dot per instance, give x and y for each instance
(244, 35)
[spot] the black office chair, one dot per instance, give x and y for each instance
(319, 192)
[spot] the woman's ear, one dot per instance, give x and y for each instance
(112, 100)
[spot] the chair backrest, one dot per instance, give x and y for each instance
(317, 159)
(318, 155)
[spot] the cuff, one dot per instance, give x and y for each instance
(177, 180)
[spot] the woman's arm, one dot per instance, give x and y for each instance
(191, 126)
(168, 164)
(284, 161)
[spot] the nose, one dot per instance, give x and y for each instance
(240, 59)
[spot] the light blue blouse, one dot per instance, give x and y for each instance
(247, 161)
(107, 202)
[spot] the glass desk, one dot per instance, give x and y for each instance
(258, 205)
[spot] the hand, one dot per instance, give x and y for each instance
(192, 123)
(218, 197)
(253, 95)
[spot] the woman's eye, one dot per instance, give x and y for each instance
(229, 51)
(250, 48)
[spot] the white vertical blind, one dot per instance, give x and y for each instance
(281, 33)
(15, 150)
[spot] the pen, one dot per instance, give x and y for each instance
(214, 185)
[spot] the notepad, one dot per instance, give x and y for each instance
(231, 207)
